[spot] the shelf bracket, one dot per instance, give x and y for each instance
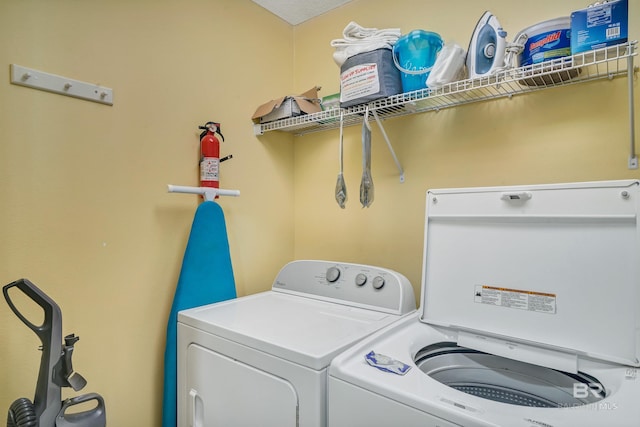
(386, 138)
(633, 158)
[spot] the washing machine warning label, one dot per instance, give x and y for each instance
(515, 298)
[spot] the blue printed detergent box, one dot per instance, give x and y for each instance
(599, 26)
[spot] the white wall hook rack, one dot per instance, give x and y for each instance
(209, 193)
(35, 79)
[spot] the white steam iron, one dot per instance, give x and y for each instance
(486, 53)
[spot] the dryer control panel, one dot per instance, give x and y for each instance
(357, 285)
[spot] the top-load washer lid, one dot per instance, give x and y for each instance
(542, 274)
(314, 311)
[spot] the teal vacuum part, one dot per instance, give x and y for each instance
(206, 277)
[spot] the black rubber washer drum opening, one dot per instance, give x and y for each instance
(505, 380)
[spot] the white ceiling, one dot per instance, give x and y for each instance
(297, 11)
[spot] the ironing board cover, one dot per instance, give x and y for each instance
(206, 277)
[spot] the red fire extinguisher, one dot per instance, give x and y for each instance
(210, 155)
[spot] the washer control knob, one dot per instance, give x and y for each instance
(361, 279)
(378, 282)
(333, 274)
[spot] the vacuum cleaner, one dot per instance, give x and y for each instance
(56, 371)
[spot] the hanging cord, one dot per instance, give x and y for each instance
(341, 187)
(341, 141)
(366, 184)
(512, 52)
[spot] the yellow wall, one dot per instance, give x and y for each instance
(85, 214)
(84, 208)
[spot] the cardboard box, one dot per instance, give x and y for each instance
(599, 26)
(288, 106)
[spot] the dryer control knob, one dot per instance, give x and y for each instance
(333, 274)
(361, 279)
(378, 282)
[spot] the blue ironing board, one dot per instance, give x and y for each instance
(206, 277)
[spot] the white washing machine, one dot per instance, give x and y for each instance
(262, 360)
(529, 316)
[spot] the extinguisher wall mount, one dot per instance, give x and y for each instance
(211, 127)
(209, 193)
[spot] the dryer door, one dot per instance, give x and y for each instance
(226, 392)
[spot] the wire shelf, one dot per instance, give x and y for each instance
(606, 63)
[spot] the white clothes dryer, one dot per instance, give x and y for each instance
(262, 359)
(529, 316)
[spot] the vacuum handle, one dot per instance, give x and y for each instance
(47, 304)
